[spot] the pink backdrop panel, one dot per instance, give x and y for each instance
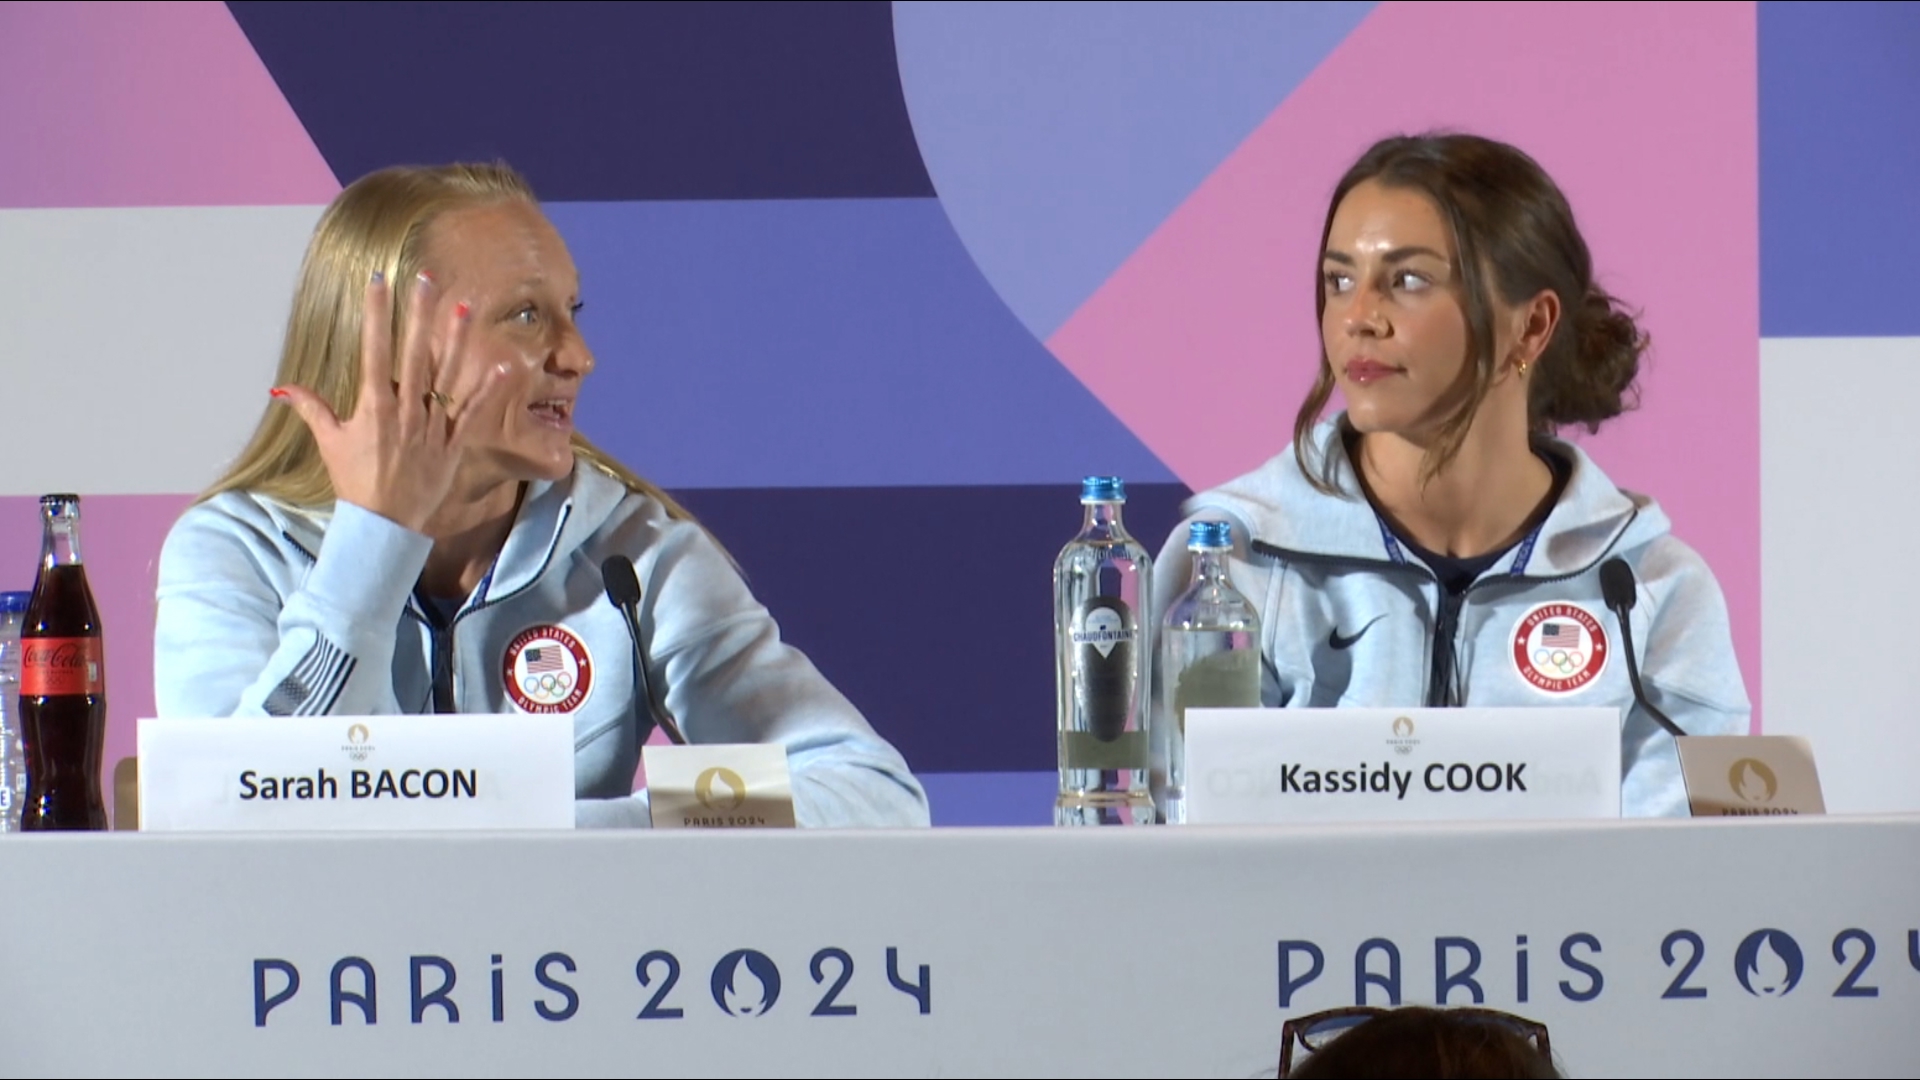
(145, 105)
(1204, 341)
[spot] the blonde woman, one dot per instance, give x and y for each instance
(416, 527)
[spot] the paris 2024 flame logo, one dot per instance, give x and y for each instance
(1768, 963)
(745, 983)
(1753, 782)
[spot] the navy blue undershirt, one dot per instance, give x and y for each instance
(439, 610)
(1456, 573)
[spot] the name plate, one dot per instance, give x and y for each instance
(1284, 766)
(356, 773)
(1749, 775)
(719, 786)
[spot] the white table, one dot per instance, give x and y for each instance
(1152, 952)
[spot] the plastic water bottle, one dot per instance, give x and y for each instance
(13, 760)
(1102, 632)
(1210, 654)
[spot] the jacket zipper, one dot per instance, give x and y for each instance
(1444, 657)
(1442, 650)
(443, 666)
(441, 641)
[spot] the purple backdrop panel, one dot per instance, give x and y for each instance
(968, 689)
(605, 101)
(991, 799)
(1839, 165)
(930, 608)
(802, 343)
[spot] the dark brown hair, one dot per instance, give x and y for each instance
(1510, 223)
(1419, 1042)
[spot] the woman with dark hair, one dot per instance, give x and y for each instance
(1435, 544)
(1415, 1042)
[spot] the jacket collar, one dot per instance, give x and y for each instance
(1285, 516)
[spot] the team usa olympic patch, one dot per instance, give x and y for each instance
(548, 670)
(1559, 648)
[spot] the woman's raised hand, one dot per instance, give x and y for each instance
(398, 451)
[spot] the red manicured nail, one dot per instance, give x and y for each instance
(462, 310)
(277, 392)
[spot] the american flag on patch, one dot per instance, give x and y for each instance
(544, 659)
(1556, 635)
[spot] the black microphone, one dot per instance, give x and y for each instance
(1619, 589)
(623, 592)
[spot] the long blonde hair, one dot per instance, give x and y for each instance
(379, 222)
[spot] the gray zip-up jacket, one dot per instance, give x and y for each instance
(269, 610)
(1351, 620)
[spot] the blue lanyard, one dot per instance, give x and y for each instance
(1522, 556)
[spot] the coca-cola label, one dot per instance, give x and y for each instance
(60, 667)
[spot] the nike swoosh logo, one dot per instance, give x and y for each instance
(1336, 641)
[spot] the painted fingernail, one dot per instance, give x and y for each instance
(426, 278)
(379, 277)
(462, 310)
(503, 369)
(277, 392)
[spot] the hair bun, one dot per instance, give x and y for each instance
(1594, 381)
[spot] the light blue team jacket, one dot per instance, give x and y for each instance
(268, 610)
(1349, 620)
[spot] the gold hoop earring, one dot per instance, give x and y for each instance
(1520, 368)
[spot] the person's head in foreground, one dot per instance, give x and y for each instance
(1415, 1041)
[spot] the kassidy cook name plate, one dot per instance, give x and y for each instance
(1279, 766)
(356, 773)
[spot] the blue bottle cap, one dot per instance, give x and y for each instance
(1209, 534)
(14, 603)
(1103, 489)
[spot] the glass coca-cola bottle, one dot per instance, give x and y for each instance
(63, 697)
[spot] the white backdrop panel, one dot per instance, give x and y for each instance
(1839, 532)
(139, 344)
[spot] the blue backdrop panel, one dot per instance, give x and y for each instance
(604, 101)
(931, 608)
(798, 343)
(991, 799)
(1839, 165)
